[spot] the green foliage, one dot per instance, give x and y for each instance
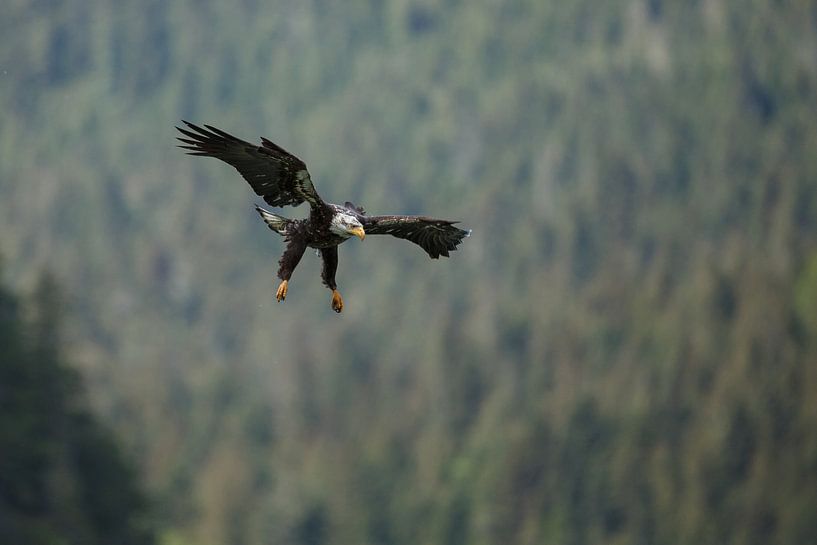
(623, 352)
(63, 479)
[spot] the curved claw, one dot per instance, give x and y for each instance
(337, 301)
(281, 294)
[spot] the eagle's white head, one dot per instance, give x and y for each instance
(346, 225)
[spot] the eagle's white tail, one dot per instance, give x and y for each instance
(277, 223)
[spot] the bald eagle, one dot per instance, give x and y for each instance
(283, 180)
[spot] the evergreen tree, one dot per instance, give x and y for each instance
(63, 478)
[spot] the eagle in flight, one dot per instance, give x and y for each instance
(283, 180)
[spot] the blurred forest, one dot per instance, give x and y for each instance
(625, 351)
(63, 479)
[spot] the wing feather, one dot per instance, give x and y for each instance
(273, 173)
(437, 237)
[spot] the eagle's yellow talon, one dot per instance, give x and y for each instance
(282, 291)
(337, 301)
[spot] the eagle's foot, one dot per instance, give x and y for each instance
(337, 301)
(282, 291)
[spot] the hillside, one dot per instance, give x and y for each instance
(63, 478)
(623, 352)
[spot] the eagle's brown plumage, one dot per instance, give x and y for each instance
(283, 180)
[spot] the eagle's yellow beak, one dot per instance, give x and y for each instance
(358, 232)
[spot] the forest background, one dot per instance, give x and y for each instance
(625, 351)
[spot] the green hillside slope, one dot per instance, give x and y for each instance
(623, 352)
(63, 479)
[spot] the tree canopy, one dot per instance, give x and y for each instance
(63, 477)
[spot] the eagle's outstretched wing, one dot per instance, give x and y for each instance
(274, 173)
(436, 237)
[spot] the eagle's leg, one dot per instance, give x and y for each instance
(330, 265)
(337, 301)
(292, 256)
(281, 294)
